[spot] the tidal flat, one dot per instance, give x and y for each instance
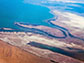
(45, 47)
(48, 30)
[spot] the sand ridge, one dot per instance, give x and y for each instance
(12, 54)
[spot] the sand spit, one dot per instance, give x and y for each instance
(6, 29)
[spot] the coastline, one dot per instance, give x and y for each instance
(56, 42)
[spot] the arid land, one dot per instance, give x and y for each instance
(63, 43)
(12, 54)
(30, 43)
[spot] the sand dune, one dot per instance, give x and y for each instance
(12, 54)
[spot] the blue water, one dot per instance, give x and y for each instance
(76, 9)
(67, 7)
(17, 11)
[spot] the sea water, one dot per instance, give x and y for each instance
(12, 11)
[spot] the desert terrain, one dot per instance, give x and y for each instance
(44, 47)
(12, 54)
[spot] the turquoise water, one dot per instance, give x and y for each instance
(17, 11)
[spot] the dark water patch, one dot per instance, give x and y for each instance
(53, 61)
(75, 55)
(56, 26)
(75, 36)
(43, 32)
(51, 48)
(64, 29)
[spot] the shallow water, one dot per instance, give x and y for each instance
(18, 11)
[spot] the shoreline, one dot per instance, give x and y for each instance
(64, 40)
